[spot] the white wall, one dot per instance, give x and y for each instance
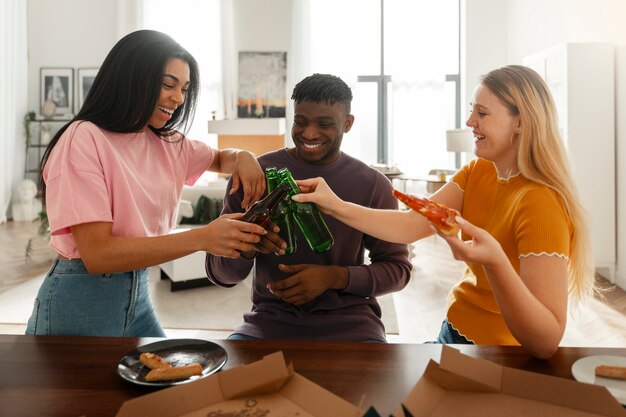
(67, 33)
(486, 44)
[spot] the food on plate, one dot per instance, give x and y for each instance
(174, 373)
(153, 361)
(442, 217)
(161, 370)
(609, 371)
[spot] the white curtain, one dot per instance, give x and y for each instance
(421, 47)
(13, 97)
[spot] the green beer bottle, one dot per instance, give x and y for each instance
(281, 216)
(261, 211)
(308, 217)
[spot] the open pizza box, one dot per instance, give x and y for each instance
(257, 389)
(464, 386)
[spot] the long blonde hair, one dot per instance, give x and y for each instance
(542, 158)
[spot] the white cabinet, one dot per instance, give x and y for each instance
(581, 79)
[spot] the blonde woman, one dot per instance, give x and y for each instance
(524, 234)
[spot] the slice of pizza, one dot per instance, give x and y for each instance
(153, 361)
(442, 217)
(608, 371)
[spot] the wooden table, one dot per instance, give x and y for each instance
(73, 376)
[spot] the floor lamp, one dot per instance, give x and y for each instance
(458, 141)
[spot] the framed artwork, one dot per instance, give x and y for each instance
(262, 84)
(57, 92)
(85, 79)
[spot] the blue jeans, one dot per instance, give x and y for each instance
(71, 301)
(241, 336)
(449, 335)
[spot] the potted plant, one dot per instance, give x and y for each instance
(29, 117)
(42, 230)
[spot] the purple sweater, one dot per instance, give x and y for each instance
(352, 314)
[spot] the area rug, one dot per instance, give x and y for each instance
(215, 308)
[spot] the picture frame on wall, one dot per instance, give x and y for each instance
(262, 84)
(84, 81)
(57, 92)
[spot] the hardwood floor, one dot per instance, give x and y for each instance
(420, 307)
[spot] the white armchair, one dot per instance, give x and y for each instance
(188, 272)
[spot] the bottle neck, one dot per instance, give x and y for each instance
(275, 196)
(272, 184)
(260, 211)
(271, 177)
(287, 178)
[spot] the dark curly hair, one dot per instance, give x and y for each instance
(323, 87)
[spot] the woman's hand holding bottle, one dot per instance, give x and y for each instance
(228, 236)
(316, 190)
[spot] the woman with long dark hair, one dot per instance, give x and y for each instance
(112, 179)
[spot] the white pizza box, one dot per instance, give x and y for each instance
(261, 387)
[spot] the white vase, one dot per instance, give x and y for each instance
(48, 109)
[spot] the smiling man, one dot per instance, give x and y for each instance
(308, 295)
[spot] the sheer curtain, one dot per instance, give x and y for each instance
(421, 47)
(13, 95)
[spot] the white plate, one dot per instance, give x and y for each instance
(178, 352)
(584, 371)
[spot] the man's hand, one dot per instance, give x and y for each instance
(308, 282)
(269, 243)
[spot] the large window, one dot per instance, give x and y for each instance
(416, 44)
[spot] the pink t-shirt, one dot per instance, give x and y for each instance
(133, 180)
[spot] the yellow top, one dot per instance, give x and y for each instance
(527, 219)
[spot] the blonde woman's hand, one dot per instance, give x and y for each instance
(482, 248)
(247, 173)
(315, 190)
(228, 236)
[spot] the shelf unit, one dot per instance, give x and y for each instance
(41, 132)
(255, 135)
